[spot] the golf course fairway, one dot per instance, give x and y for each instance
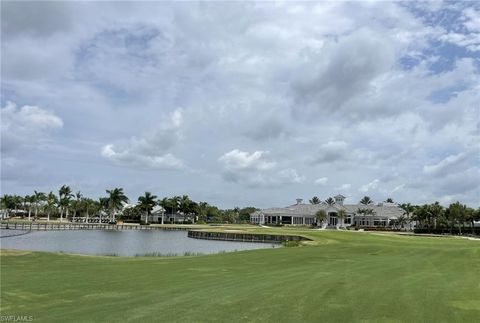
(337, 277)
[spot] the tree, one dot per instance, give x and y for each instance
(116, 198)
(456, 213)
(472, 216)
(407, 211)
(389, 200)
(104, 206)
(8, 203)
(366, 200)
(28, 202)
(52, 202)
(146, 203)
(64, 194)
(330, 201)
(77, 205)
(315, 200)
(321, 216)
(435, 211)
(342, 214)
(39, 197)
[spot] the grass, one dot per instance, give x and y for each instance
(338, 277)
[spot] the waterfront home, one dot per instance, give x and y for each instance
(378, 215)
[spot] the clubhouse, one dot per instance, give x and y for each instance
(378, 215)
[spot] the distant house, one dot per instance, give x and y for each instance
(378, 215)
(156, 216)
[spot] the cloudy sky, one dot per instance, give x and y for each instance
(243, 104)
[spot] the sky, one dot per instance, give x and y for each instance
(243, 103)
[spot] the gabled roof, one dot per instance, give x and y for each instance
(388, 211)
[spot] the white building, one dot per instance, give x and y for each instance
(156, 216)
(300, 213)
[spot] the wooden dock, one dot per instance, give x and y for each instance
(82, 226)
(243, 237)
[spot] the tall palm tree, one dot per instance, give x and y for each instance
(116, 198)
(175, 205)
(39, 198)
(103, 206)
(436, 211)
(28, 202)
(64, 194)
(52, 201)
(366, 200)
(7, 203)
(342, 214)
(408, 211)
(146, 203)
(17, 202)
(315, 200)
(330, 201)
(77, 205)
(321, 216)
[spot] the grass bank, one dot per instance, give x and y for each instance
(338, 277)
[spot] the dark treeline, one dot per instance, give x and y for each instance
(457, 218)
(115, 205)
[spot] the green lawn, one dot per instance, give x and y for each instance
(341, 277)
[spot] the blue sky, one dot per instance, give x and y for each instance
(243, 104)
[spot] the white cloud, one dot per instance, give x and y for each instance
(26, 126)
(321, 181)
(254, 170)
(290, 175)
(152, 150)
(370, 186)
(237, 160)
(343, 187)
(445, 164)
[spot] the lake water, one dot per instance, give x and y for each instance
(121, 243)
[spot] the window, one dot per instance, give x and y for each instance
(348, 220)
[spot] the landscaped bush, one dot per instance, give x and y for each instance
(291, 243)
(377, 229)
(443, 230)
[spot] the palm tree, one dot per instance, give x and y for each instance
(38, 198)
(408, 211)
(7, 203)
(64, 194)
(366, 200)
(51, 203)
(174, 204)
(315, 200)
(146, 203)
(90, 205)
(436, 211)
(77, 205)
(103, 206)
(116, 198)
(455, 213)
(321, 216)
(342, 214)
(28, 202)
(330, 201)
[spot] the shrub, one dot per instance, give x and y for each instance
(291, 243)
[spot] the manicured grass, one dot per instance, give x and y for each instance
(340, 277)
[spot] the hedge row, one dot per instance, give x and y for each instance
(466, 230)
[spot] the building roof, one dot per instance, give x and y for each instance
(302, 209)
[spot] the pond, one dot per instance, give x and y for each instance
(121, 243)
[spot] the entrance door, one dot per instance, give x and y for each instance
(333, 221)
